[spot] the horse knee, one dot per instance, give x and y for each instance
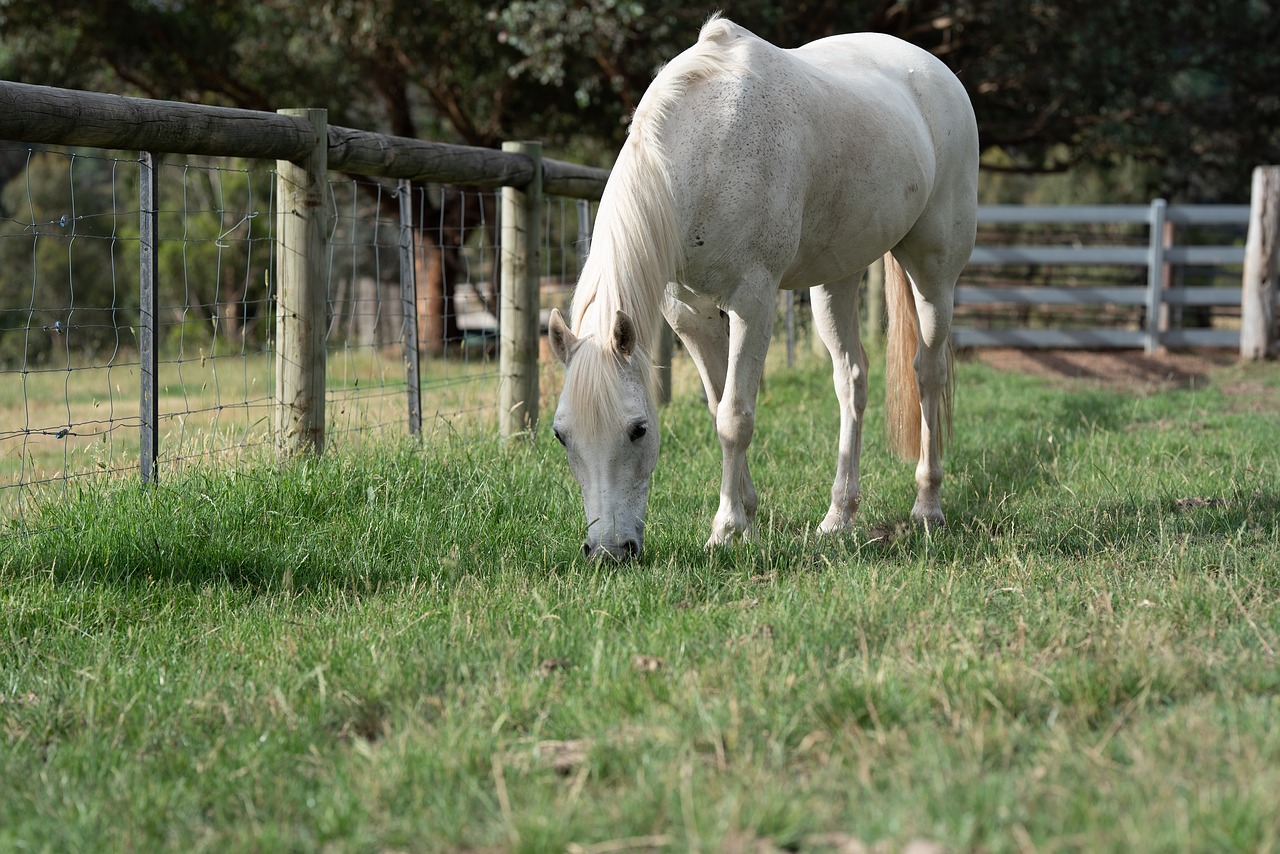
(734, 427)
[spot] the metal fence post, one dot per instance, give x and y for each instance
(521, 250)
(409, 306)
(301, 190)
(1155, 275)
(584, 232)
(148, 357)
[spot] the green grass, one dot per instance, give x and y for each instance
(402, 649)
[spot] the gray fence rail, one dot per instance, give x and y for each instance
(1159, 256)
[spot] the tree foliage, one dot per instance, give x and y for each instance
(1183, 84)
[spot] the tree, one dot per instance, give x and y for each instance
(1056, 84)
(1178, 84)
(1182, 84)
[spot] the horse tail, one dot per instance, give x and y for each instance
(902, 392)
(902, 389)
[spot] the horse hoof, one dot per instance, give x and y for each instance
(724, 538)
(930, 520)
(835, 523)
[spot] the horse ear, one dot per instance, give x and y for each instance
(563, 342)
(625, 336)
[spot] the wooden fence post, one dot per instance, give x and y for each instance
(1258, 334)
(1155, 275)
(301, 191)
(521, 252)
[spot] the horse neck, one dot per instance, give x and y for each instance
(635, 248)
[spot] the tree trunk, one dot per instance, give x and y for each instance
(437, 319)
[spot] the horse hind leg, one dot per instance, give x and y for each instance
(927, 294)
(835, 316)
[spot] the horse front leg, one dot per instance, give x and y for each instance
(750, 328)
(704, 331)
(835, 316)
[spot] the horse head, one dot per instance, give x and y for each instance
(608, 423)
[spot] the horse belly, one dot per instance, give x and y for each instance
(848, 224)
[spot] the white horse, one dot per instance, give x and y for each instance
(750, 168)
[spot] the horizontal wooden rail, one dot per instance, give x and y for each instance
(365, 153)
(1031, 295)
(1180, 214)
(1119, 256)
(1091, 339)
(49, 116)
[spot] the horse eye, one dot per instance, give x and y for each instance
(637, 431)
(559, 437)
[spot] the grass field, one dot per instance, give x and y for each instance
(403, 650)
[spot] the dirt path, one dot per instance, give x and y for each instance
(1123, 370)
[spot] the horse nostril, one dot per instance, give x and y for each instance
(631, 548)
(586, 550)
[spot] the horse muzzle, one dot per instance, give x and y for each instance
(628, 549)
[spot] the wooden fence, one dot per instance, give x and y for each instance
(306, 149)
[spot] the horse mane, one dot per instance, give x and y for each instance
(635, 246)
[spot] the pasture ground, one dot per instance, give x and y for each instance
(402, 649)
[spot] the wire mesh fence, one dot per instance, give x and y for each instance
(70, 374)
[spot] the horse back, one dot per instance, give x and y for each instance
(808, 162)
